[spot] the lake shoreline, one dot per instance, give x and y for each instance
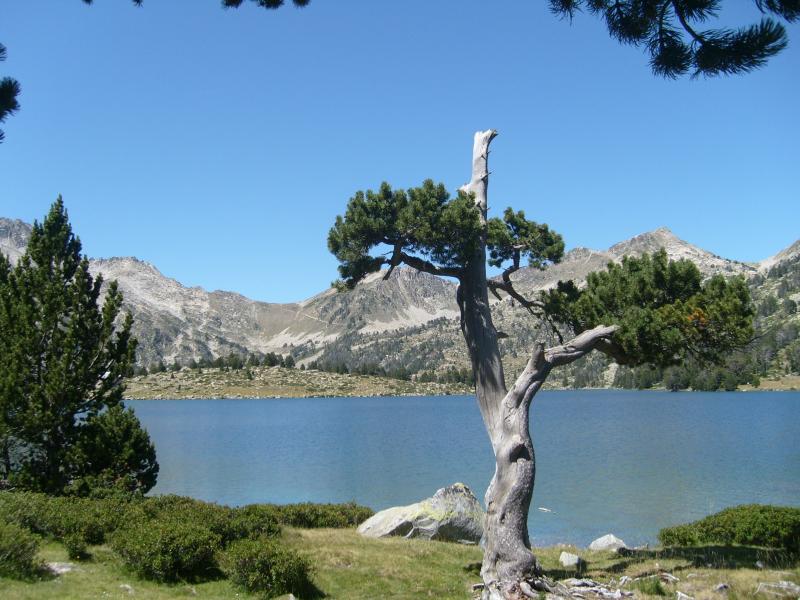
(262, 383)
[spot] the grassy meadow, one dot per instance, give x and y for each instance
(349, 567)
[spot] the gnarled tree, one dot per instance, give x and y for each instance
(644, 310)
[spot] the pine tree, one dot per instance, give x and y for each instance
(113, 453)
(63, 357)
(644, 311)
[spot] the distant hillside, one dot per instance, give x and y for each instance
(178, 323)
(406, 326)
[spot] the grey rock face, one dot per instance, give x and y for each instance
(607, 542)
(14, 236)
(453, 514)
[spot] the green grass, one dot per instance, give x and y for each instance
(649, 586)
(349, 567)
(101, 577)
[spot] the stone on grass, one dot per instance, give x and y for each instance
(607, 542)
(59, 568)
(787, 589)
(571, 561)
(682, 596)
(453, 514)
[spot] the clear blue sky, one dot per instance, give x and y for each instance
(220, 145)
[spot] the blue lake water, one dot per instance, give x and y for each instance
(625, 462)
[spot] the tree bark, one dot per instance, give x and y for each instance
(509, 567)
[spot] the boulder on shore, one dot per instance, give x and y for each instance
(608, 542)
(453, 514)
(571, 561)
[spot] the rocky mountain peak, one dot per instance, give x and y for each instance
(790, 253)
(14, 235)
(677, 249)
(650, 241)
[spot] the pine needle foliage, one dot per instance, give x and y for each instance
(423, 221)
(664, 311)
(669, 30)
(63, 357)
(9, 90)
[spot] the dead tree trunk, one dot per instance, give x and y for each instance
(509, 567)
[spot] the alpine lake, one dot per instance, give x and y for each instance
(624, 462)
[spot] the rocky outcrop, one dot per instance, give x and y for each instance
(571, 561)
(453, 514)
(608, 542)
(14, 236)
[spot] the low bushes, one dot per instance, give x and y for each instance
(168, 549)
(171, 538)
(75, 544)
(62, 516)
(749, 524)
(214, 517)
(264, 566)
(256, 520)
(312, 516)
(18, 548)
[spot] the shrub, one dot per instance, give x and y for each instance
(256, 520)
(679, 535)
(264, 566)
(168, 549)
(312, 516)
(75, 545)
(750, 524)
(214, 517)
(18, 549)
(58, 517)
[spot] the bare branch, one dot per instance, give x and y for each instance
(579, 346)
(415, 262)
(542, 362)
(397, 256)
(508, 288)
(421, 264)
(612, 350)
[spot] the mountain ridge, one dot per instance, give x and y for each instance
(174, 322)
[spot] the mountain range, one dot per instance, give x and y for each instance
(409, 321)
